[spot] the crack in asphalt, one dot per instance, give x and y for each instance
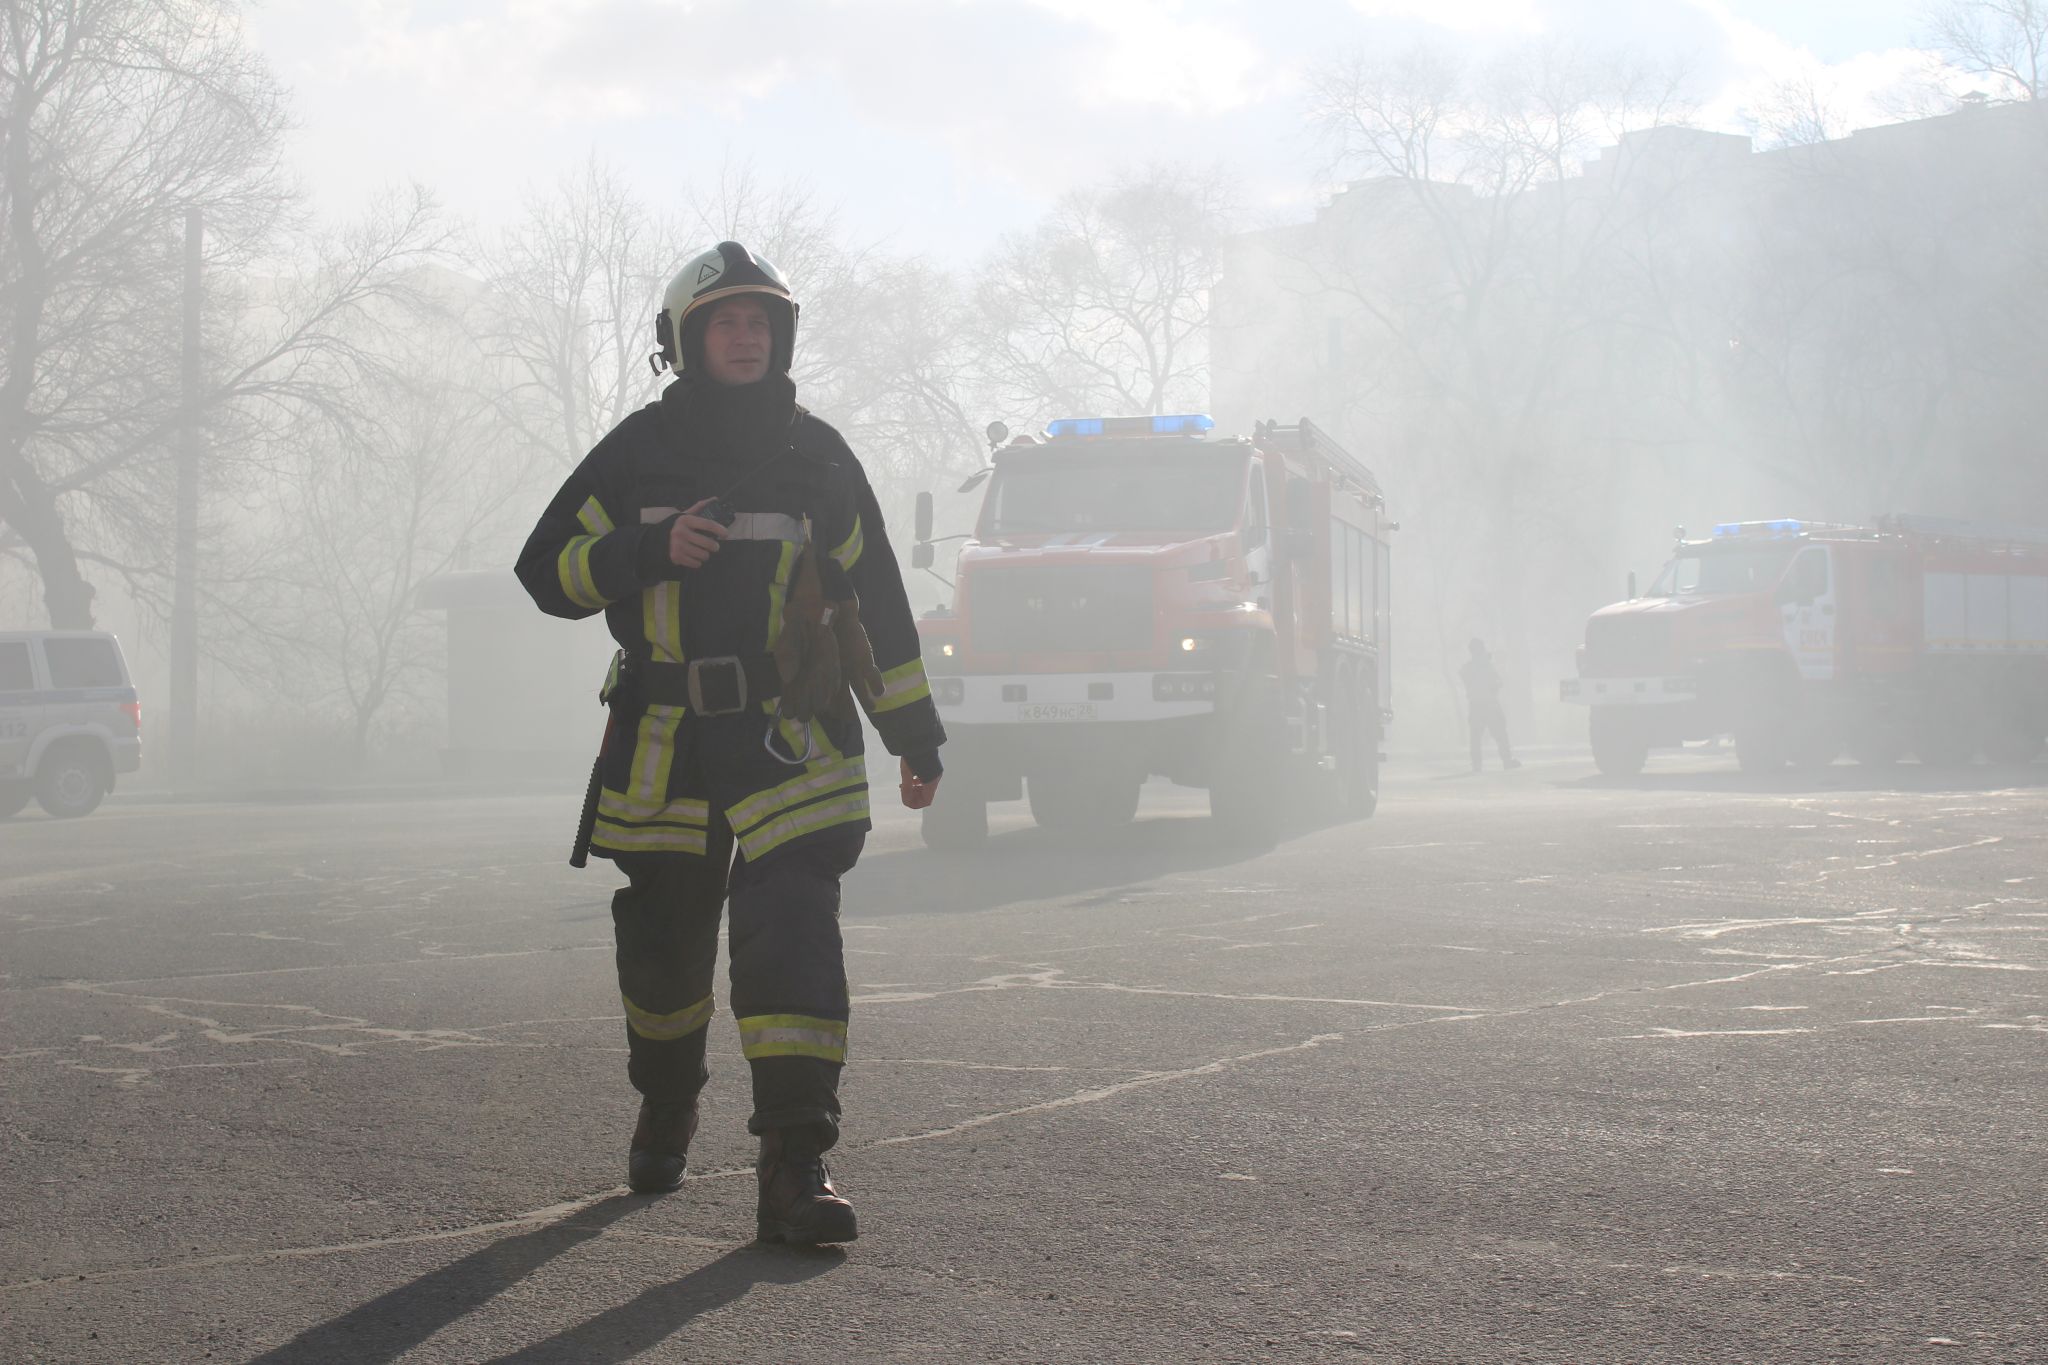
(562, 1213)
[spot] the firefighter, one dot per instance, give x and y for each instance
(738, 553)
(1483, 711)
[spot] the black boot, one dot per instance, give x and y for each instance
(661, 1139)
(798, 1204)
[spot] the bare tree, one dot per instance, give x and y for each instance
(1104, 306)
(1481, 295)
(886, 351)
(1799, 111)
(573, 288)
(116, 118)
(424, 474)
(2002, 42)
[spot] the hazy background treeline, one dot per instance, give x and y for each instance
(1557, 318)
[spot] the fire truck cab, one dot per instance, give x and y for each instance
(1142, 597)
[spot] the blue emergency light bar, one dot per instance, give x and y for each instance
(1782, 527)
(1178, 424)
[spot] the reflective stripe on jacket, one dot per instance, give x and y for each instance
(601, 545)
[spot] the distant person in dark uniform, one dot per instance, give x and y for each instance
(1482, 699)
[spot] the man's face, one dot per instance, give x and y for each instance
(738, 340)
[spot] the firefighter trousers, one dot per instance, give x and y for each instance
(787, 970)
(1488, 719)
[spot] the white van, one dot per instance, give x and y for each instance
(69, 720)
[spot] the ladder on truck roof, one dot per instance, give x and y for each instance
(1955, 528)
(1311, 439)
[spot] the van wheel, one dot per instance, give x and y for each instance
(70, 782)
(14, 796)
(954, 823)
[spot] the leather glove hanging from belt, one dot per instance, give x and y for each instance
(823, 648)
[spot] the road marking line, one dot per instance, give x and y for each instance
(1099, 1093)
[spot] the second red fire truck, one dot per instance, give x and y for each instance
(1805, 640)
(1142, 597)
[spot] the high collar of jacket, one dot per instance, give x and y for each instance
(737, 424)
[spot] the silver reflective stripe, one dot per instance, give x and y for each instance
(766, 526)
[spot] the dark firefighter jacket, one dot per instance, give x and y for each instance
(674, 754)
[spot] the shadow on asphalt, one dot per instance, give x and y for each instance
(394, 1323)
(1903, 777)
(621, 1333)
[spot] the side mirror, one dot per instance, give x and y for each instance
(924, 516)
(921, 555)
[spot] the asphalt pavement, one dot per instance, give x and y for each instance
(1530, 1067)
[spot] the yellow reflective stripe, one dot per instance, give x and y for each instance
(573, 567)
(773, 834)
(642, 811)
(778, 590)
(816, 780)
(901, 686)
(664, 1027)
(593, 517)
(661, 620)
(792, 1035)
(848, 552)
(653, 753)
(648, 839)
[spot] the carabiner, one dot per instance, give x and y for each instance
(775, 729)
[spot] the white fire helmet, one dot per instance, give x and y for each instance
(720, 273)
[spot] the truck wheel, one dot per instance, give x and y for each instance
(1082, 803)
(1358, 757)
(13, 797)
(1877, 747)
(1944, 740)
(1619, 746)
(1245, 787)
(1760, 747)
(1815, 749)
(70, 781)
(1763, 731)
(954, 823)
(2011, 742)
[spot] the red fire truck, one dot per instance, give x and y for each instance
(1143, 597)
(1804, 640)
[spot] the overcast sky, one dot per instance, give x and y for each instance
(936, 125)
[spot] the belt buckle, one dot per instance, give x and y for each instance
(738, 687)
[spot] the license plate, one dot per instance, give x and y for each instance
(1056, 710)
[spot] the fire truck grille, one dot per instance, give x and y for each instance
(1062, 609)
(1628, 646)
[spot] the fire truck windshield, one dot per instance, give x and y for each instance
(1724, 570)
(1112, 486)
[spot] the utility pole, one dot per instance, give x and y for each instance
(184, 725)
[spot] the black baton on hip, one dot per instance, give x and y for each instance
(587, 826)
